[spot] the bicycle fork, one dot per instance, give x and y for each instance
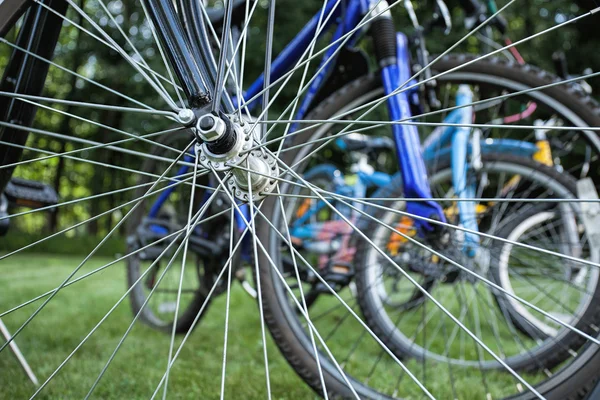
(392, 53)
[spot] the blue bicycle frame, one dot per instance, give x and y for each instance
(394, 75)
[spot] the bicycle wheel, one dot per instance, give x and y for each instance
(124, 76)
(536, 227)
(292, 340)
(573, 302)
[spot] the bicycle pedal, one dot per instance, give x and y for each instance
(339, 274)
(31, 194)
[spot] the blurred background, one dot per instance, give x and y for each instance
(79, 52)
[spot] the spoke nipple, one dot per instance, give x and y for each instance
(186, 116)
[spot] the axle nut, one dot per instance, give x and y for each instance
(210, 127)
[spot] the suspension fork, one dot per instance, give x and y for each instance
(392, 53)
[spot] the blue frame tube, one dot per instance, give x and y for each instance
(459, 162)
(408, 147)
(165, 194)
(350, 21)
(504, 146)
(293, 51)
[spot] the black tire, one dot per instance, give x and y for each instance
(282, 323)
(557, 350)
(503, 301)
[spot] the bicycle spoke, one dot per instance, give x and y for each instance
(227, 303)
(220, 82)
(93, 82)
(96, 145)
(185, 250)
(258, 286)
(305, 307)
(98, 106)
(338, 42)
(124, 54)
(378, 124)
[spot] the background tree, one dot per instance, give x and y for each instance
(82, 53)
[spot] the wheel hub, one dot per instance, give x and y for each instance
(226, 146)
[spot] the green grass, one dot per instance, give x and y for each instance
(76, 245)
(140, 363)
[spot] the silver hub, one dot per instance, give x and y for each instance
(256, 179)
(253, 172)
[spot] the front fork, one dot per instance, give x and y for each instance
(395, 72)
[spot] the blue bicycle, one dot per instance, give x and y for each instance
(338, 227)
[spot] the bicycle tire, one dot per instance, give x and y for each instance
(360, 91)
(137, 296)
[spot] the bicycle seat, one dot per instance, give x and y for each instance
(217, 15)
(364, 143)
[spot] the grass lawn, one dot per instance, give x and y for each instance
(141, 361)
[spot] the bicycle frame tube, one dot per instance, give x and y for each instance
(166, 193)
(408, 148)
(296, 47)
(515, 147)
(459, 161)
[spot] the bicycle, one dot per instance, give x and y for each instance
(222, 137)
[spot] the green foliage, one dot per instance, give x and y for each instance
(78, 245)
(98, 67)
